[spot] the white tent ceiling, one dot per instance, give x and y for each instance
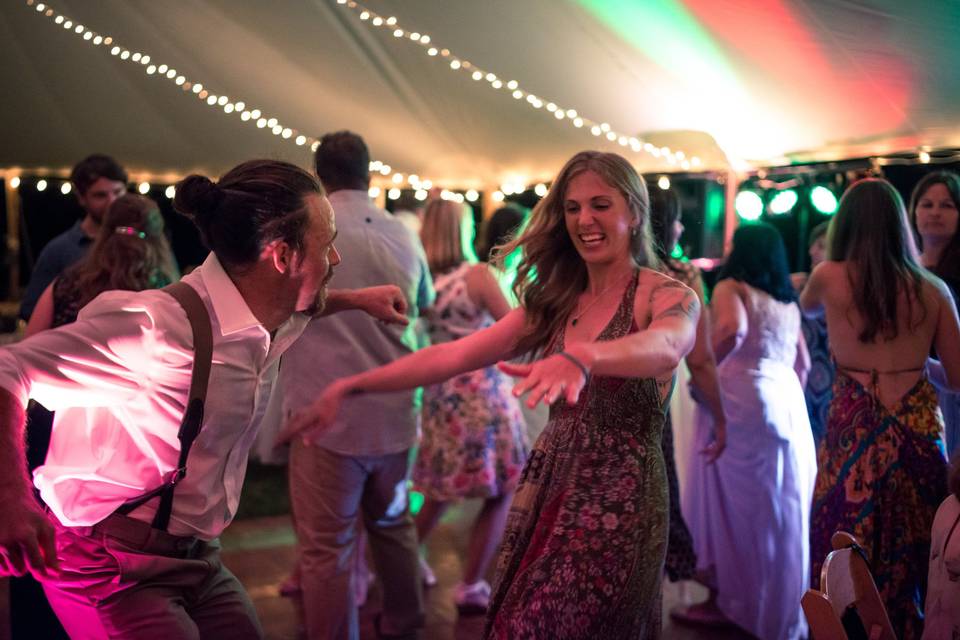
(728, 81)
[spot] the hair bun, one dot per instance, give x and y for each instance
(197, 197)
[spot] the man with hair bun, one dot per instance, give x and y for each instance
(114, 562)
(97, 181)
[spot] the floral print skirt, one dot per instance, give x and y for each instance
(474, 441)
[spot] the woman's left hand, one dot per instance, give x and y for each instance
(547, 380)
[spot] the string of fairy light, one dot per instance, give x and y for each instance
(201, 91)
(257, 117)
(460, 64)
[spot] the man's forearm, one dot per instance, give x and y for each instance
(339, 300)
(13, 462)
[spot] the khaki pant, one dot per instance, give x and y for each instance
(123, 579)
(329, 493)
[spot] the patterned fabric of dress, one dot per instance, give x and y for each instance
(66, 299)
(474, 442)
(882, 475)
(582, 555)
(681, 561)
(819, 389)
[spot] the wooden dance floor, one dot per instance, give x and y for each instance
(260, 552)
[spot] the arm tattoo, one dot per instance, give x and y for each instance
(687, 306)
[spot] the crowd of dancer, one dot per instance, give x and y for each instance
(819, 404)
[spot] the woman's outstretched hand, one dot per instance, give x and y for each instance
(547, 380)
(316, 419)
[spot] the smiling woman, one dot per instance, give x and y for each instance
(584, 546)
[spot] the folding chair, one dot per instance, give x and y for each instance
(849, 606)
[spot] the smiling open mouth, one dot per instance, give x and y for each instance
(591, 239)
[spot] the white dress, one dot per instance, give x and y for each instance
(750, 510)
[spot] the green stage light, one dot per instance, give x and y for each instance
(783, 202)
(749, 206)
(823, 200)
(677, 252)
(416, 502)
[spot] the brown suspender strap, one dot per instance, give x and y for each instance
(193, 416)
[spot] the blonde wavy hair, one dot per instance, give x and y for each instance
(552, 275)
(447, 235)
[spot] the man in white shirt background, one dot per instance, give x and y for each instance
(118, 379)
(357, 473)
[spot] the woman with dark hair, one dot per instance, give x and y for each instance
(681, 562)
(583, 552)
(934, 207)
(130, 252)
(502, 226)
(882, 469)
(751, 519)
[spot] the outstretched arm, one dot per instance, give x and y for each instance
(651, 353)
(26, 537)
(426, 366)
(385, 302)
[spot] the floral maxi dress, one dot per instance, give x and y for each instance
(583, 552)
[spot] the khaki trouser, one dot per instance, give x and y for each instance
(329, 493)
(123, 579)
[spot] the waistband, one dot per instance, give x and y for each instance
(143, 537)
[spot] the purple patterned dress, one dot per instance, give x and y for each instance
(583, 552)
(882, 474)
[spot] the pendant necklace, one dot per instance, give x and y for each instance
(579, 314)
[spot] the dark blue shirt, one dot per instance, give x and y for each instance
(61, 252)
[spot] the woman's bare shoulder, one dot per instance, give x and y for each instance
(654, 280)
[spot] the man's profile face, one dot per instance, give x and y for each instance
(314, 267)
(99, 196)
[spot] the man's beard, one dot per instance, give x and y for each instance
(316, 308)
(319, 303)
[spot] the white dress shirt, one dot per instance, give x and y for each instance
(118, 379)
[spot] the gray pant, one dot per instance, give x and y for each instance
(123, 579)
(330, 492)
